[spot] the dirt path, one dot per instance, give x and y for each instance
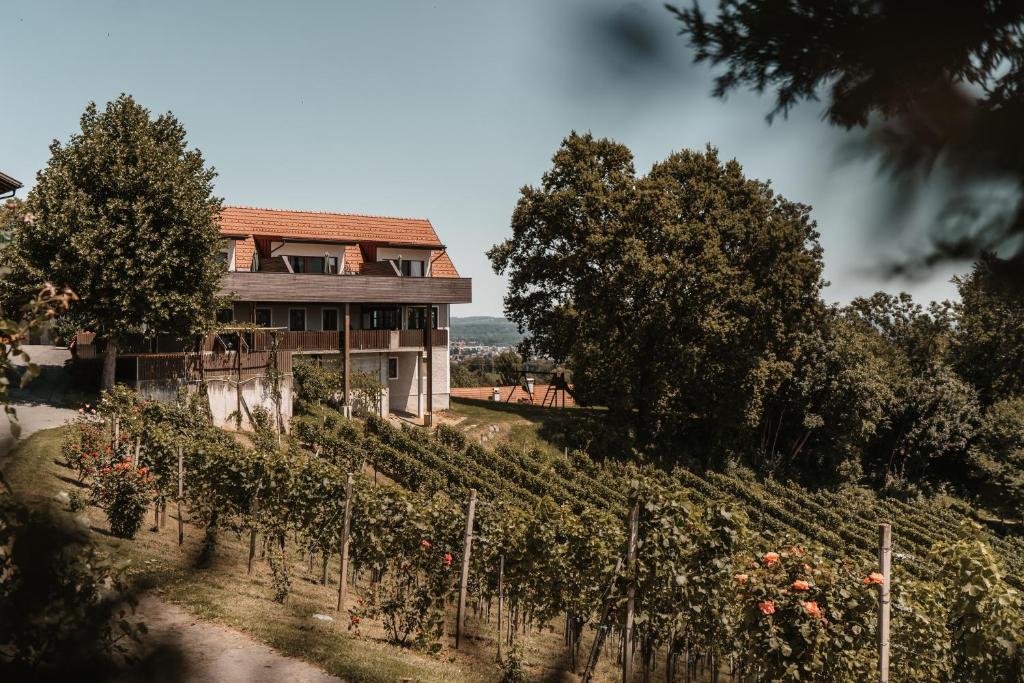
(180, 647)
(34, 404)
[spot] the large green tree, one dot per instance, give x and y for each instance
(988, 347)
(124, 214)
(677, 298)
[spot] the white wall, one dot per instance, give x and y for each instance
(224, 400)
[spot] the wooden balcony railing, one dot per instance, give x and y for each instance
(325, 341)
(370, 339)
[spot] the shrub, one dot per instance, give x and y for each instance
(315, 384)
(124, 491)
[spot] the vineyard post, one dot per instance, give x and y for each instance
(501, 598)
(345, 528)
(181, 494)
(252, 531)
(138, 448)
(602, 625)
(467, 546)
(884, 559)
(627, 629)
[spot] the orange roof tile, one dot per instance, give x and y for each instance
(340, 227)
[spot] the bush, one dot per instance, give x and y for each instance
(315, 384)
(124, 491)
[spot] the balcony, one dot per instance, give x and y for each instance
(312, 288)
(314, 341)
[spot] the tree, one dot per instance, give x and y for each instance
(124, 213)
(508, 364)
(988, 346)
(676, 298)
(940, 85)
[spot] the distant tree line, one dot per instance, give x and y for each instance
(688, 301)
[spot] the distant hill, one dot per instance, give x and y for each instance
(485, 329)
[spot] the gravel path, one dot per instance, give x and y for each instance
(182, 648)
(179, 647)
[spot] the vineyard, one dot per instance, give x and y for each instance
(691, 577)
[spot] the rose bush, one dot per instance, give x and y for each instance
(123, 491)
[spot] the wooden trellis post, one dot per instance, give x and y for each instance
(345, 529)
(467, 546)
(627, 629)
(885, 561)
(501, 598)
(181, 494)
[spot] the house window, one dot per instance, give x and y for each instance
(380, 318)
(329, 320)
(313, 264)
(225, 315)
(392, 368)
(225, 257)
(415, 318)
(264, 317)
(296, 319)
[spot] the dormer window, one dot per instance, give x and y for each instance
(409, 268)
(314, 264)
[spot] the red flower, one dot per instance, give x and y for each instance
(425, 544)
(447, 559)
(767, 607)
(770, 558)
(799, 585)
(355, 619)
(741, 578)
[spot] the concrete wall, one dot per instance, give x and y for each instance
(223, 398)
(224, 402)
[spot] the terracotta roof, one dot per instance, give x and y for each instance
(336, 227)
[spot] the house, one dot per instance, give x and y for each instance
(373, 291)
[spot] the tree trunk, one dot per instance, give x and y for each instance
(109, 364)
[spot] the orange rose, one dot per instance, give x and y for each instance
(770, 558)
(812, 609)
(799, 585)
(874, 577)
(767, 607)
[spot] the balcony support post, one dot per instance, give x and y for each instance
(346, 353)
(428, 338)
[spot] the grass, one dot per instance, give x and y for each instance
(223, 593)
(523, 425)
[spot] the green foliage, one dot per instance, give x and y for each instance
(64, 613)
(987, 348)
(513, 669)
(124, 213)
(315, 384)
(450, 437)
(686, 290)
(367, 392)
(986, 615)
(508, 364)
